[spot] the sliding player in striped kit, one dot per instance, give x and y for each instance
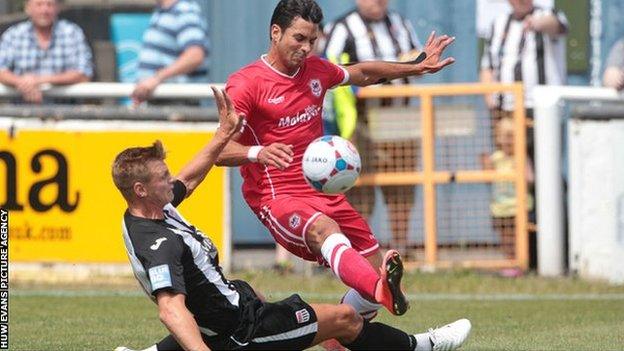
(280, 97)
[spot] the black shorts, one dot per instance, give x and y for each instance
(289, 324)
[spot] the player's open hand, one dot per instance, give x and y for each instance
(229, 121)
(434, 48)
(277, 155)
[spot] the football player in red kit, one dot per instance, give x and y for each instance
(280, 97)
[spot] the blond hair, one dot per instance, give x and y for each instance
(130, 166)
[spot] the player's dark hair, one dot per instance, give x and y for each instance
(130, 166)
(287, 10)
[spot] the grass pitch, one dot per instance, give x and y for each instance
(527, 313)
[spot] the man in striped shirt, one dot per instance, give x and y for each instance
(43, 50)
(528, 46)
(373, 32)
(175, 48)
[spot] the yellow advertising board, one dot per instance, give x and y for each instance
(55, 180)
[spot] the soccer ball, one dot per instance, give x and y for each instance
(331, 164)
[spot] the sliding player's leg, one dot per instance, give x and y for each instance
(352, 331)
(275, 328)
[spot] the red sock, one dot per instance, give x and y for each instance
(354, 270)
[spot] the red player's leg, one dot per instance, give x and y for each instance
(324, 238)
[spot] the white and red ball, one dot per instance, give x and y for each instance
(331, 164)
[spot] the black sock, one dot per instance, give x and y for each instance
(169, 343)
(378, 336)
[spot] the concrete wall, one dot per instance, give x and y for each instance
(596, 204)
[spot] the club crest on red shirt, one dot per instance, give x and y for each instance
(316, 87)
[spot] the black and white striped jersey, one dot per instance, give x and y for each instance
(171, 254)
(365, 40)
(533, 58)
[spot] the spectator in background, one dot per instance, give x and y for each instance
(503, 204)
(43, 50)
(175, 48)
(339, 116)
(372, 32)
(614, 73)
(527, 45)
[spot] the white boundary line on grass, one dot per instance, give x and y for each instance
(332, 296)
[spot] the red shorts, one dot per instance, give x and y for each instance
(288, 218)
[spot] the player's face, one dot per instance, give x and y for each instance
(373, 9)
(42, 12)
(296, 42)
(160, 187)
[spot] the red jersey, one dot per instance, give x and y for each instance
(284, 109)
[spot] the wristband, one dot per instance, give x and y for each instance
(252, 154)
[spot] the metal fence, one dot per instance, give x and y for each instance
(457, 218)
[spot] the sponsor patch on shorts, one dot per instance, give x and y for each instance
(302, 316)
(160, 277)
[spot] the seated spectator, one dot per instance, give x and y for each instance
(175, 48)
(43, 50)
(614, 73)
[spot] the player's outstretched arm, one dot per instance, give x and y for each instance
(376, 72)
(229, 124)
(179, 320)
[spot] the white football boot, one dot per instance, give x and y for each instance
(447, 338)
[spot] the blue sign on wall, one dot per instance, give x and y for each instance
(127, 34)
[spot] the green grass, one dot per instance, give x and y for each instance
(531, 314)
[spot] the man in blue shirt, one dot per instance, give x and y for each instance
(175, 48)
(43, 50)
